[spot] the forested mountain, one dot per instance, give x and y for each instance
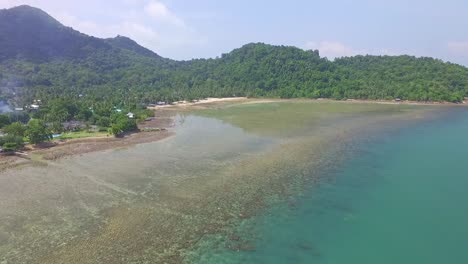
(41, 58)
(30, 33)
(420, 79)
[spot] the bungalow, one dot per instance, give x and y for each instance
(131, 115)
(35, 107)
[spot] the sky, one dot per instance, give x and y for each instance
(183, 29)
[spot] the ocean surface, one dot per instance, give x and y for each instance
(401, 198)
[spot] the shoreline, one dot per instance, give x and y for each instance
(248, 100)
(53, 150)
(207, 101)
(69, 147)
(74, 147)
(403, 102)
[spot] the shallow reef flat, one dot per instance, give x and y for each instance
(171, 200)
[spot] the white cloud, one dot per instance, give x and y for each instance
(458, 47)
(10, 3)
(145, 35)
(45, 5)
(330, 49)
(336, 49)
(160, 12)
(89, 27)
(133, 29)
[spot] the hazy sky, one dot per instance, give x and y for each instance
(182, 29)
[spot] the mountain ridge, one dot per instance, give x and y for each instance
(30, 33)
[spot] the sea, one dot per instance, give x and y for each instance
(399, 199)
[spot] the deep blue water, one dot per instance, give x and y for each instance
(401, 199)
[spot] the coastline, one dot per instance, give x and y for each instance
(58, 149)
(163, 120)
(247, 100)
(202, 102)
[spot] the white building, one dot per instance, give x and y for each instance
(35, 107)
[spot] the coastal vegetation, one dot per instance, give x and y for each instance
(35, 132)
(121, 124)
(63, 63)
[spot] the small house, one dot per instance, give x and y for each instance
(34, 107)
(131, 115)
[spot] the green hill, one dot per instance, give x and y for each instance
(41, 58)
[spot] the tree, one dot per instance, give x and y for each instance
(15, 129)
(10, 147)
(121, 124)
(4, 120)
(17, 141)
(22, 117)
(37, 132)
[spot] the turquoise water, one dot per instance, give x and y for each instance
(401, 199)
